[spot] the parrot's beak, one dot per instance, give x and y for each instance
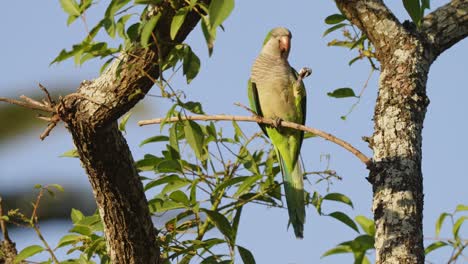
(285, 44)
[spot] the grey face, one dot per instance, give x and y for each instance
(279, 43)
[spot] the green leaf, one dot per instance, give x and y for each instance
(209, 33)
(159, 138)
(148, 28)
(178, 20)
(57, 186)
(230, 182)
(221, 223)
(194, 107)
(194, 136)
(439, 222)
(28, 252)
(105, 65)
(334, 28)
(70, 7)
(148, 163)
(339, 198)
(362, 243)
(334, 19)
(70, 154)
(124, 121)
(425, 4)
(159, 206)
(191, 65)
(114, 6)
(235, 222)
(175, 184)
(457, 225)
(69, 239)
(219, 10)
(147, 2)
(434, 246)
(354, 60)
(246, 255)
(366, 224)
(76, 215)
(338, 250)
(180, 197)
(247, 185)
(238, 131)
(414, 10)
(162, 180)
(309, 135)
(342, 93)
(109, 25)
(133, 32)
(461, 207)
(82, 229)
(342, 217)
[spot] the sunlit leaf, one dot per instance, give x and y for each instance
(339, 198)
(434, 246)
(178, 20)
(123, 122)
(147, 30)
(219, 10)
(457, 225)
(439, 222)
(158, 138)
(366, 224)
(71, 7)
(461, 207)
(344, 218)
(69, 239)
(338, 250)
(28, 252)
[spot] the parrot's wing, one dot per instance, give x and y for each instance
(254, 102)
(302, 104)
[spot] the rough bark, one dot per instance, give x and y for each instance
(91, 116)
(405, 54)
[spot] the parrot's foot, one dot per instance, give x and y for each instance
(277, 122)
(305, 72)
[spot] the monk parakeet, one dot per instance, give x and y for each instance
(276, 91)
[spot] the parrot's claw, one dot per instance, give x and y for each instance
(305, 72)
(277, 122)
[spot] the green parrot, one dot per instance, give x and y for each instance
(276, 91)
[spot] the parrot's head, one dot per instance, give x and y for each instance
(277, 42)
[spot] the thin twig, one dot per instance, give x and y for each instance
(267, 121)
(27, 105)
(49, 98)
(47, 130)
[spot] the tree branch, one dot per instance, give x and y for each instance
(446, 25)
(377, 21)
(267, 121)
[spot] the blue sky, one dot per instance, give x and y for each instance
(29, 44)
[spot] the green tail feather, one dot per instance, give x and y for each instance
(294, 191)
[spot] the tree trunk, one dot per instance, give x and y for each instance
(91, 116)
(405, 55)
